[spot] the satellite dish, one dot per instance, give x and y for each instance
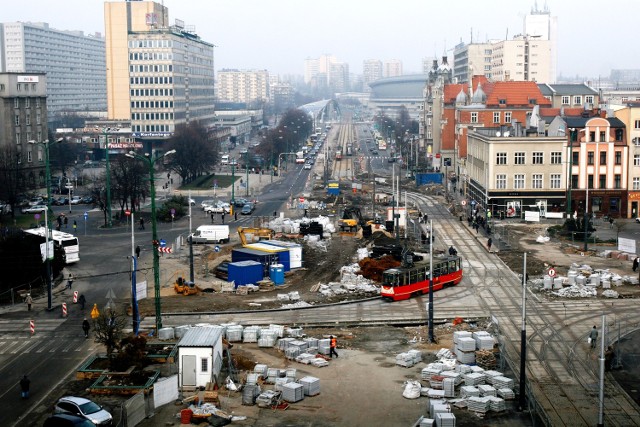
(498, 134)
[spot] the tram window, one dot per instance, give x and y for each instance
(413, 275)
(437, 270)
(421, 275)
(403, 279)
(452, 266)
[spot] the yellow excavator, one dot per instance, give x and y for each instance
(257, 234)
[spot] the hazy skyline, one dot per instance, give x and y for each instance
(278, 35)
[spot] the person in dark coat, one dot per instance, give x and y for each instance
(86, 327)
(137, 251)
(82, 301)
(452, 251)
(489, 243)
(24, 386)
(141, 223)
(635, 264)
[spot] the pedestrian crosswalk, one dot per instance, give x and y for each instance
(11, 346)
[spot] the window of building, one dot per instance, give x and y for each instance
(204, 364)
(474, 117)
(537, 158)
(501, 158)
(588, 99)
(602, 181)
(502, 101)
(574, 181)
(617, 181)
(556, 157)
(16, 103)
(518, 181)
(27, 102)
(536, 180)
(19, 87)
(28, 120)
(590, 181)
(636, 183)
(590, 155)
(618, 158)
(618, 134)
(602, 136)
(592, 136)
(501, 182)
(519, 158)
(29, 156)
(636, 160)
(496, 117)
(507, 117)
(603, 157)
(555, 180)
(636, 124)
(565, 100)
(17, 119)
(577, 100)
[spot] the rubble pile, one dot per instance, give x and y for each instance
(350, 282)
(372, 268)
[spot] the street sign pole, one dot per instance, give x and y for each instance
(86, 216)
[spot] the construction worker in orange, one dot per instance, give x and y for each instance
(332, 346)
(94, 312)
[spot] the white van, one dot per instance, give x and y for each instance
(211, 234)
(224, 160)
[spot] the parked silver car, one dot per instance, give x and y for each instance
(84, 408)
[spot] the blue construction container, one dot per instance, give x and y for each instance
(428, 178)
(245, 272)
(276, 273)
(280, 252)
(295, 251)
(264, 258)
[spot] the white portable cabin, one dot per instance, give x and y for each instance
(295, 251)
(200, 356)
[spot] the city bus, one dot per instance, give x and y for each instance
(64, 244)
(382, 144)
(401, 283)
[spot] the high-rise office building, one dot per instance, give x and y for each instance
(540, 25)
(158, 75)
(74, 64)
(522, 59)
(471, 60)
(243, 86)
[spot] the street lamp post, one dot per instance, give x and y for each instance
(47, 226)
(246, 165)
(154, 229)
(108, 176)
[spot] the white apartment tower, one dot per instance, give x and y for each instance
(371, 71)
(539, 24)
(73, 63)
(243, 86)
(522, 59)
(392, 68)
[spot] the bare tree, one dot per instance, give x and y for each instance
(108, 329)
(129, 182)
(195, 153)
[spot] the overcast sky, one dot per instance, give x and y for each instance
(278, 35)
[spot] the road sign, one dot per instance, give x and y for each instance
(163, 243)
(86, 215)
(127, 212)
(165, 250)
(463, 203)
(551, 272)
(217, 248)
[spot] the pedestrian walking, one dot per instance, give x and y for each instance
(332, 346)
(423, 238)
(86, 327)
(223, 216)
(66, 222)
(137, 251)
(75, 226)
(24, 386)
(635, 264)
(212, 220)
(608, 359)
(82, 301)
(235, 215)
(141, 223)
(610, 222)
(28, 300)
(593, 336)
(69, 281)
(489, 242)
